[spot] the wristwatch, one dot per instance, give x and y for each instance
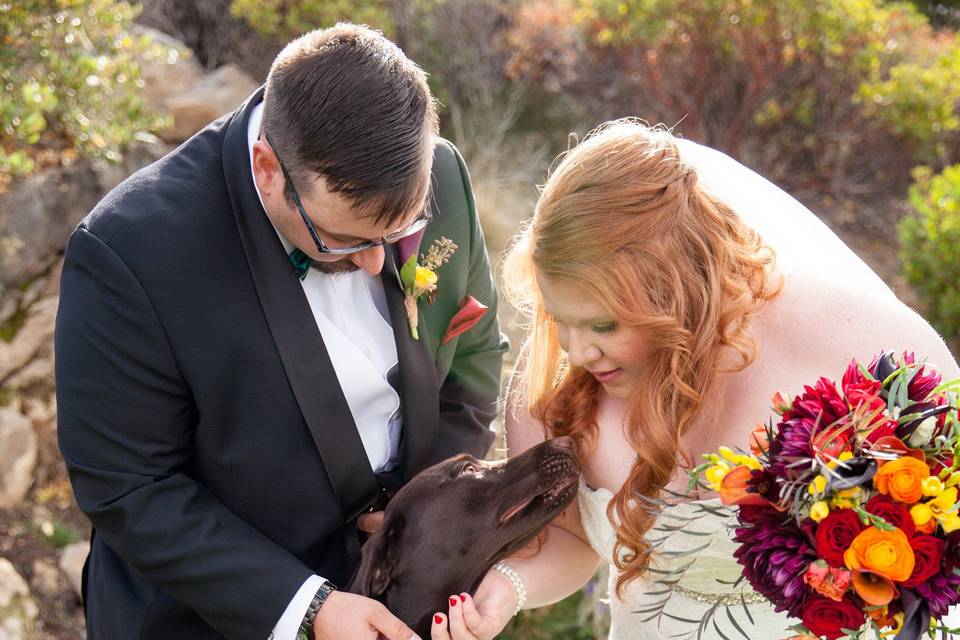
(306, 625)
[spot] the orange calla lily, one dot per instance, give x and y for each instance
(874, 589)
(893, 444)
(733, 488)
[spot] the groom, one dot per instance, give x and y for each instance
(237, 382)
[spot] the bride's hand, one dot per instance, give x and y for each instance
(480, 617)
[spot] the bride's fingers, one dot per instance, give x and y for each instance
(470, 614)
(438, 630)
(458, 628)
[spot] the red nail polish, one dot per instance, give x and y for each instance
(437, 619)
(463, 597)
(453, 602)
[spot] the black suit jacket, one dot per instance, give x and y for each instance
(204, 429)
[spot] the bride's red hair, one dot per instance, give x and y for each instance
(623, 217)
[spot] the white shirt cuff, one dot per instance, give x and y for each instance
(289, 622)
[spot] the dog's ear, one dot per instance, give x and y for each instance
(381, 556)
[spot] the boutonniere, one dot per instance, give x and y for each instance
(419, 279)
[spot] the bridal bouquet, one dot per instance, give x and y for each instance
(846, 508)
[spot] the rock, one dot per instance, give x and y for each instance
(17, 609)
(18, 456)
(221, 91)
(168, 75)
(41, 411)
(38, 374)
(46, 577)
(72, 558)
(38, 213)
(34, 338)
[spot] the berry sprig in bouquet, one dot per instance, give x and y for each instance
(847, 507)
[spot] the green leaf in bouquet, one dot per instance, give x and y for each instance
(950, 385)
(408, 272)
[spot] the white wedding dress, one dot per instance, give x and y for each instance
(694, 535)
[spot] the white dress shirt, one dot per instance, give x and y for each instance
(350, 310)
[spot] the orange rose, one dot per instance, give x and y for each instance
(885, 553)
(902, 479)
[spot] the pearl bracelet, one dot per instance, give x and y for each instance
(517, 583)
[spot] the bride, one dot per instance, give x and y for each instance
(670, 292)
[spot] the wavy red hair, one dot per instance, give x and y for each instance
(623, 216)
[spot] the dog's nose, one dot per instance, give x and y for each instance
(563, 442)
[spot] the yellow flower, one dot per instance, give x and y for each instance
(716, 474)
(921, 514)
(818, 485)
(819, 510)
(425, 278)
(941, 508)
(846, 498)
(954, 479)
(932, 486)
(748, 461)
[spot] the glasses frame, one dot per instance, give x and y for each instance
(413, 228)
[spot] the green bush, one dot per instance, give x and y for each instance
(71, 77)
(289, 18)
(929, 241)
(775, 83)
(918, 100)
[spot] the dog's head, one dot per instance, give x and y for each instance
(444, 530)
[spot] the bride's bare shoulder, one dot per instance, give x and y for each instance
(824, 319)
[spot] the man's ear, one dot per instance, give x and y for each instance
(381, 557)
(266, 170)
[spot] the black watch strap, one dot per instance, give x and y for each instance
(306, 625)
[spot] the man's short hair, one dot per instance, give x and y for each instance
(347, 104)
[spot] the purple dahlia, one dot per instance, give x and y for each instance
(774, 554)
(940, 591)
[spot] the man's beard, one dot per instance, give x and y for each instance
(342, 265)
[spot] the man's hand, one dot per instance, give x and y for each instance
(479, 618)
(370, 522)
(346, 615)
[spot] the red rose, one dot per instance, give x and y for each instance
(835, 534)
(895, 513)
(928, 556)
(826, 617)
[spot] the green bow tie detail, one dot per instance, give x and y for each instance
(301, 263)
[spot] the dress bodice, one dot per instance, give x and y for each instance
(692, 577)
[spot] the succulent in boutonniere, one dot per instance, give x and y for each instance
(419, 279)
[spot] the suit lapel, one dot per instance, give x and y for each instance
(299, 342)
(418, 381)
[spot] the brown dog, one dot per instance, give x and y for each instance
(443, 531)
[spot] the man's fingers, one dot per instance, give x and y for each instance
(370, 522)
(391, 627)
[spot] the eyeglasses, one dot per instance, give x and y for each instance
(390, 238)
